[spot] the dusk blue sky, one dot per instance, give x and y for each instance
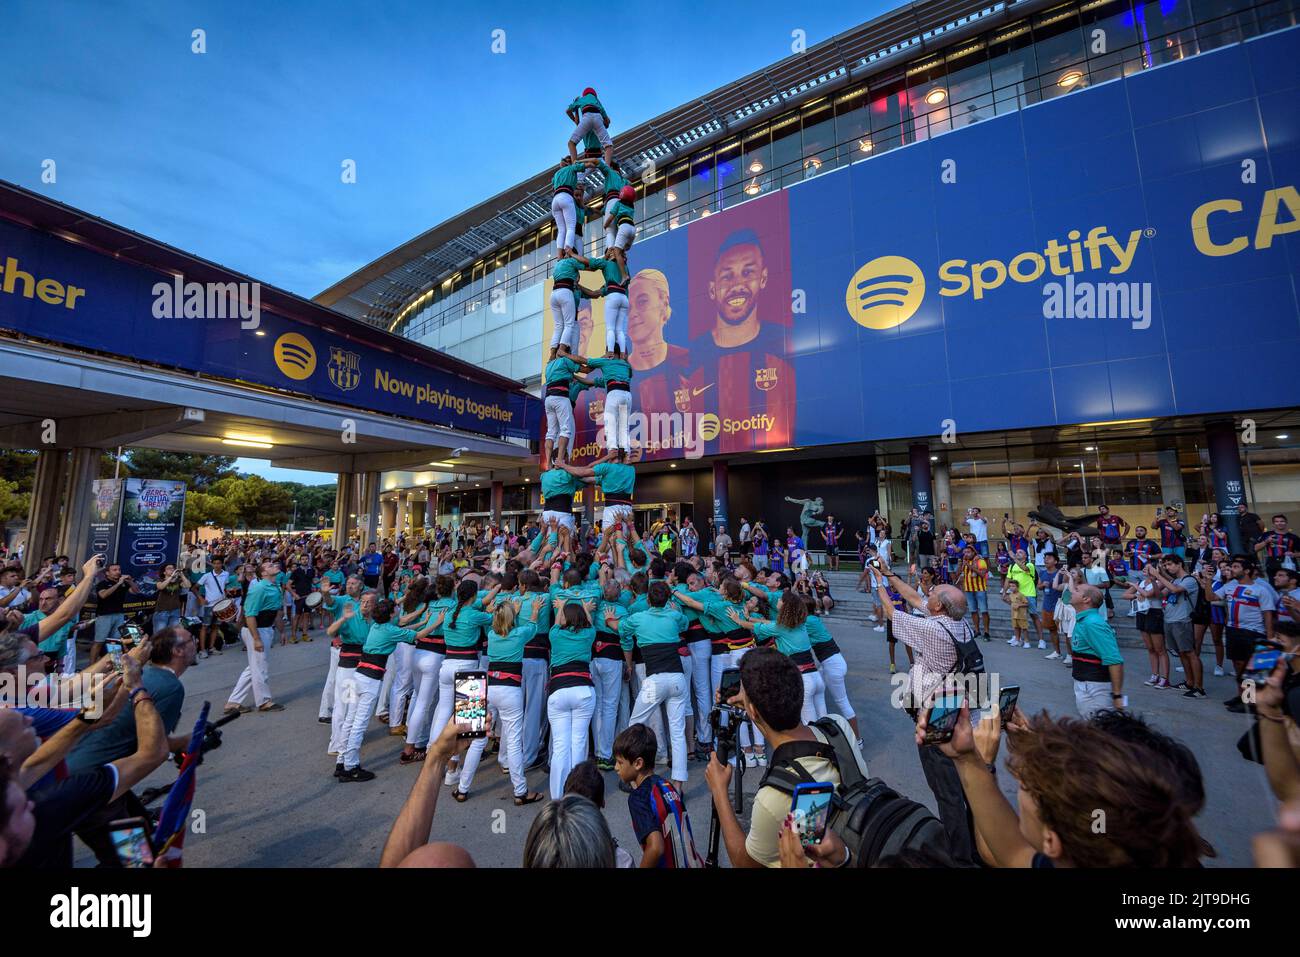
(235, 154)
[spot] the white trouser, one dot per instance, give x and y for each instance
(367, 693)
(564, 316)
(814, 697)
(564, 520)
(565, 213)
(399, 664)
(327, 695)
(1091, 697)
(569, 711)
(618, 412)
(590, 123)
(381, 706)
(559, 418)
(670, 689)
(615, 324)
(509, 705)
(345, 705)
(655, 720)
(607, 674)
(746, 737)
(702, 680)
(447, 690)
(425, 666)
(609, 230)
(614, 514)
(256, 676)
(534, 706)
(69, 664)
(834, 670)
(623, 238)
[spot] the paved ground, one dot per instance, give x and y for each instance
(270, 799)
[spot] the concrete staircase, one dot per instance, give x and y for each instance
(853, 605)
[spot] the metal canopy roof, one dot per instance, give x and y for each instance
(377, 292)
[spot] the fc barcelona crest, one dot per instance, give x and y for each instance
(344, 369)
(765, 379)
(596, 409)
(682, 399)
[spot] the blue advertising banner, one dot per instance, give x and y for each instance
(55, 290)
(149, 534)
(1124, 251)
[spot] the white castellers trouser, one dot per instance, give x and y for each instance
(345, 705)
(569, 710)
(559, 418)
(607, 675)
(367, 694)
(654, 721)
(256, 675)
(565, 213)
(701, 662)
(671, 689)
(399, 665)
(618, 412)
(534, 706)
(720, 663)
(564, 319)
(563, 520)
(814, 697)
(834, 670)
(509, 704)
(609, 230)
(425, 666)
(616, 308)
(591, 123)
(623, 238)
(327, 693)
(613, 514)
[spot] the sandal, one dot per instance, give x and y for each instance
(411, 757)
(460, 796)
(532, 798)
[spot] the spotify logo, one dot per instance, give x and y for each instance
(885, 293)
(295, 356)
(709, 426)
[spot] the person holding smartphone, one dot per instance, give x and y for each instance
(1097, 666)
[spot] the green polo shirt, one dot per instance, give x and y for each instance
(654, 626)
(510, 648)
(382, 639)
(567, 645)
(789, 641)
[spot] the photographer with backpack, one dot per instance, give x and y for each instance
(945, 648)
(771, 692)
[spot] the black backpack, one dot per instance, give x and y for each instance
(873, 820)
(970, 660)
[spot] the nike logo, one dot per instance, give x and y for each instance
(702, 389)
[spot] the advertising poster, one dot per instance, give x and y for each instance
(104, 517)
(149, 538)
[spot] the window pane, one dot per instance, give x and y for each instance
(786, 149)
(1014, 67)
(818, 139)
(1058, 40)
(756, 160)
(927, 97)
(970, 85)
(1164, 28)
(730, 173)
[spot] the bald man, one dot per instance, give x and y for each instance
(1097, 666)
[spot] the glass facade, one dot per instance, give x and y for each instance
(490, 314)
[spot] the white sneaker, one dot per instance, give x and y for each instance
(1218, 671)
(1013, 642)
(878, 628)
(452, 778)
(1053, 656)
(1132, 613)
(1152, 681)
(1042, 645)
(1067, 660)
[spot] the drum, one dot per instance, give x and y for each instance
(224, 610)
(312, 600)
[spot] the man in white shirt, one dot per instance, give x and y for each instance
(746, 533)
(979, 527)
(213, 583)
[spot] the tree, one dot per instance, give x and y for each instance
(197, 471)
(13, 503)
(257, 502)
(202, 508)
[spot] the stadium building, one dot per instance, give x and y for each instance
(960, 255)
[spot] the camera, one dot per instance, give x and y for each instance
(724, 737)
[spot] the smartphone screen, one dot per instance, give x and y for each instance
(131, 842)
(1008, 697)
(810, 807)
(943, 718)
(1262, 664)
(728, 684)
(471, 703)
(114, 649)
